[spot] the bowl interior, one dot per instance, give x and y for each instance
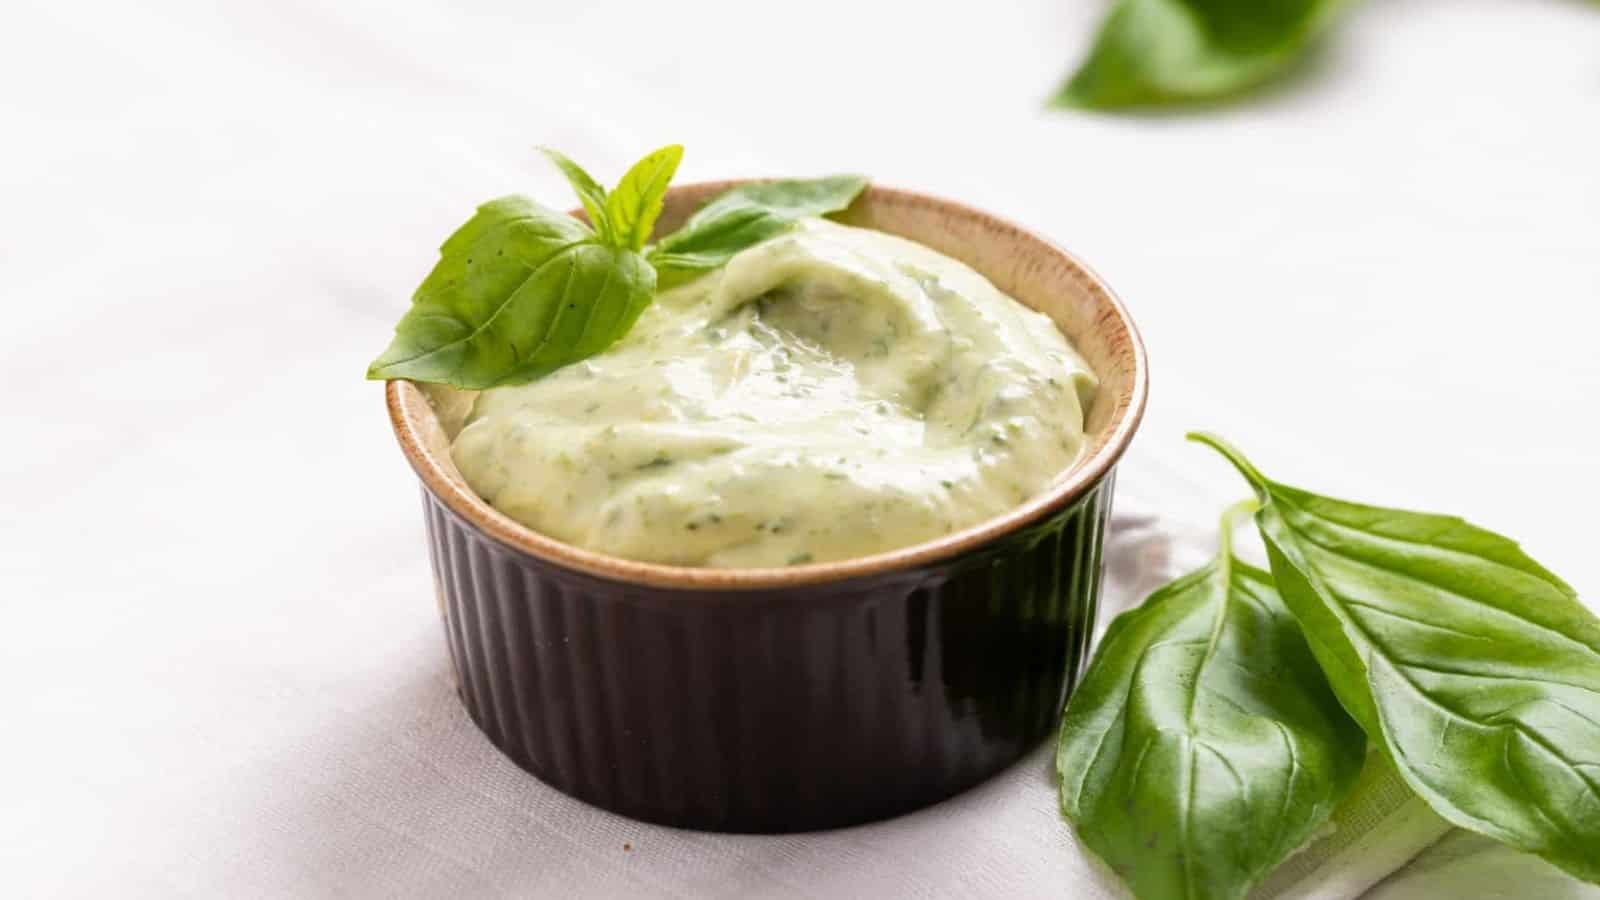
(1020, 263)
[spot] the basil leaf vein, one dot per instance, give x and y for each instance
(1163, 51)
(1475, 668)
(1203, 745)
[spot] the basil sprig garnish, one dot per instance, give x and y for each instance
(521, 290)
(1203, 745)
(1166, 51)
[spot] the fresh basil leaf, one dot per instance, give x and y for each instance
(589, 191)
(1165, 51)
(1476, 669)
(747, 215)
(519, 291)
(1203, 745)
(634, 204)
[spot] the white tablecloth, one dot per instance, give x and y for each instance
(1382, 281)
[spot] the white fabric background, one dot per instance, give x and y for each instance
(1381, 281)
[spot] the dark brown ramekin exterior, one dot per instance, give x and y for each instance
(771, 710)
(757, 702)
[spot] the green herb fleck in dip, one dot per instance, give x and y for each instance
(831, 392)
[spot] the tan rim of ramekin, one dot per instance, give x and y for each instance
(410, 413)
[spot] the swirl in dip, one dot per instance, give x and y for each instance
(829, 393)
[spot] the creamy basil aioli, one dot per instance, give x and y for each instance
(830, 393)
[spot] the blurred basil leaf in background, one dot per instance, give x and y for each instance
(1157, 52)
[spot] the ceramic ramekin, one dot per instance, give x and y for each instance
(814, 696)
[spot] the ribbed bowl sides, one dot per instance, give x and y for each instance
(771, 710)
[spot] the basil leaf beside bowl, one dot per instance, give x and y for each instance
(744, 216)
(1204, 745)
(520, 290)
(1164, 51)
(1476, 669)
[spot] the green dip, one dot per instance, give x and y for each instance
(830, 393)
